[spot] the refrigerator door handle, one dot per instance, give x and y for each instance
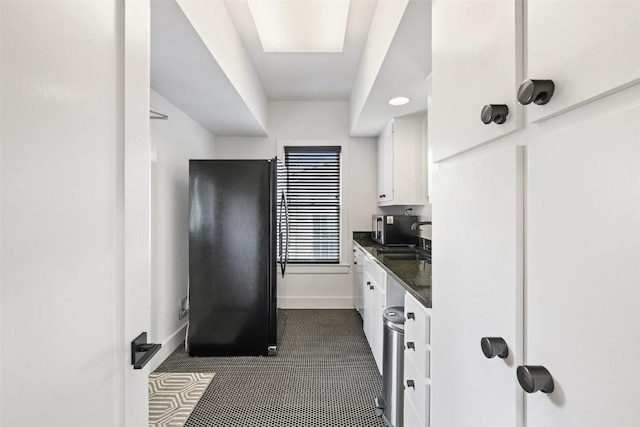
(286, 247)
(280, 234)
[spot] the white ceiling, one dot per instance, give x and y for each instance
(184, 73)
(306, 76)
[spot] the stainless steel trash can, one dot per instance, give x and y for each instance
(390, 405)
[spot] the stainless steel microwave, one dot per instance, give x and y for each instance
(394, 230)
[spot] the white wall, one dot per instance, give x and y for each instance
(174, 142)
(59, 173)
(322, 286)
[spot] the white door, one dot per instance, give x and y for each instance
(135, 169)
(477, 60)
(477, 288)
(588, 48)
(74, 211)
(583, 234)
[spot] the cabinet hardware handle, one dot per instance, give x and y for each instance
(411, 316)
(383, 196)
(371, 287)
(494, 346)
(496, 113)
(355, 262)
(411, 345)
(537, 91)
(535, 378)
(411, 383)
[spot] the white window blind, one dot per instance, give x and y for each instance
(313, 195)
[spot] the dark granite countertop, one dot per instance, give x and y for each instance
(413, 276)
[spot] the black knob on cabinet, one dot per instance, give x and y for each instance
(411, 316)
(411, 346)
(496, 113)
(411, 383)
(537, 91)
(494, 346)
(383, 196)
(535, 378)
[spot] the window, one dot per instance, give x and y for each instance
(313, 196)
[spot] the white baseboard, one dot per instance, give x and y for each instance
(167, 348)
(315, 303)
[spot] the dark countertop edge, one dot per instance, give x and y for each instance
(413, 292)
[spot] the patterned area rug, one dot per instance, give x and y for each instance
(172, 396)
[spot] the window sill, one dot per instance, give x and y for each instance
(316, 269)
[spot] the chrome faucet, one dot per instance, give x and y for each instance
(415, 225)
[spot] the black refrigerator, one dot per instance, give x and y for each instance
(236, 217)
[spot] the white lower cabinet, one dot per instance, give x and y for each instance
(374, 288)
(417, 352)
(358, 277)
(367, 304)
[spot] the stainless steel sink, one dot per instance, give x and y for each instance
(405, 256)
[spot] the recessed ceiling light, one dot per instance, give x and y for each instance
(300, 25)
(401, 100)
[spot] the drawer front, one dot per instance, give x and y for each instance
(418, 321)
(419, 356)
(417, 395)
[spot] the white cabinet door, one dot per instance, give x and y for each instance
(358, 277)
(378, 305)
(588, 48)
(478, 281)
(367, 301)
(583, 270)
(385, 165)
(477, 60)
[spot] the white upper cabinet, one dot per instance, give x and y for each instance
(402, 159)
(587, 48)
(477, 288)
(385, 165)
(477, 61)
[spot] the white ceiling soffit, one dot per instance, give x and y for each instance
(221, 93)
(404, 72)
(306, 76)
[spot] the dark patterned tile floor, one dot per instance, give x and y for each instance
(324, 375)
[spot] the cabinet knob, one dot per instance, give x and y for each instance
(496, 113)
(537, 91)
(411, 316)
(383, 196)
(535, 378)
(411, 346)
(411, 383)
(494, 346)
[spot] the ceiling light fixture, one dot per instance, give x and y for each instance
(401, 100)
(300, 25)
